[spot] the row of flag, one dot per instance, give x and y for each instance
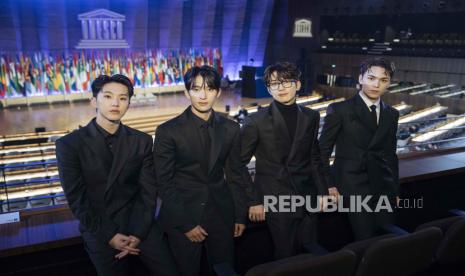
(42, 73)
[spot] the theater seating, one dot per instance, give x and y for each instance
(340, 263)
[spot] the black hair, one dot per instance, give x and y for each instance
(284, 71)
(380, 62)
(210, 76)
(99, 82)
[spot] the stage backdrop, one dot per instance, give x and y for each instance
(238, 28)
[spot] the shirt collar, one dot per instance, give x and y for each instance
(198, 122)
(105, 133)
(368, 102)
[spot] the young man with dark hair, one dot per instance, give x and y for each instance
(106, 171)
(283, 139)
(193, 154)
(363, 129)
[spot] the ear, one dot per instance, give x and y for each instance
(218, 94)
(93, 102)
(298, 85)
(360, 78)
(186, 93)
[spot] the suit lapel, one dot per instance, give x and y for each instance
(217, 141)
(302, 123)
(363, 114)
(97, 144)
(385, 121)
(121, 155)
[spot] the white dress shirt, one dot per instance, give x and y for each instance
(369, 103)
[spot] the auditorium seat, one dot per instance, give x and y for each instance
(340, 263)
(360, 247)
(450, 255)
(402, 255)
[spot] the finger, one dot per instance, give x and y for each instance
(201, 238)
(203, 231)
(196, 238)
(250, 216)
(121, 255)
(131, 249)
(254, 217)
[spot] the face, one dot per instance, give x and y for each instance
(283, 91)
(201, 96)
(374, 82)
(112, 102)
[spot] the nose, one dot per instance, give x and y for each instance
(115, 102)
(376, 83)
(203, 94)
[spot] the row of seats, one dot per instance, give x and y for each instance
(434, 248)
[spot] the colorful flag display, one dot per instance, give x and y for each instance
(30, 74)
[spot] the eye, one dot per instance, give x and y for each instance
(107, 96)
(123, 99)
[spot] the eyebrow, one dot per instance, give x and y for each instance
(369, 75)
(110, 92)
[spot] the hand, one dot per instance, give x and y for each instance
(119, 241)
(197, 234)
(397, 201)
(131, 248)
(334, 192)
(238, 229)
(257, 213)
(325, 200)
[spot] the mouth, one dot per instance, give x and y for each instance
(282, 94)
(203, 104)
(114, 112)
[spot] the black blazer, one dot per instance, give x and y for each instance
(185, 186)
(282, 167)
(108, 198)
(365, 160)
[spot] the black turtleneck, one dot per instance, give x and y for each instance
(289, 113)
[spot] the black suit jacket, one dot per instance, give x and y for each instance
(185, 186)
(108, 198)
(282, 167)
(365, 160)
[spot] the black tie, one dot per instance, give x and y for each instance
(374, 117)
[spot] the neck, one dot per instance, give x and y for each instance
(110, 126)
(202, 115)
(371, 99)
(291, 102)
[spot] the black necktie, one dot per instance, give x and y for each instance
(374, 117)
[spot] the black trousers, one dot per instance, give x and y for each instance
(155, 255)
(366, 225)
(219, 244)
(290, 233)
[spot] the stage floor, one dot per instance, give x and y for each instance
(70, 116)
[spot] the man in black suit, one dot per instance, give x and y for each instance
(106, 171)
(193, 154)
(283, 138)
(363, 129)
